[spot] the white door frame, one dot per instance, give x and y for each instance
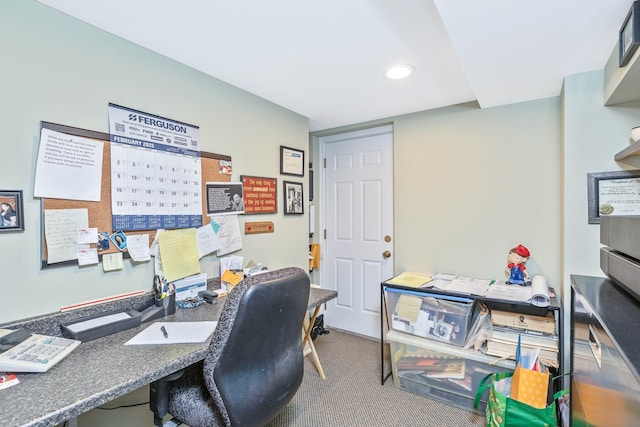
(323, 140)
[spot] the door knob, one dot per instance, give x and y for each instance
(386, 254)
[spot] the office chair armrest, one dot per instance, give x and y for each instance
(159, 396)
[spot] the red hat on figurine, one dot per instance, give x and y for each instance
(522, 251)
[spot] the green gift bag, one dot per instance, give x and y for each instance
(503, 411)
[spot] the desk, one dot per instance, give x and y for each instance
(318, 296)
(104, 369)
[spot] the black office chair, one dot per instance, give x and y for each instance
(255, 362)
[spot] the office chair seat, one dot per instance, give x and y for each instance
(255, 362)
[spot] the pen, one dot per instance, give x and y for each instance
(164, 332)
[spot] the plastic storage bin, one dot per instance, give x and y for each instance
(441, 371)
(444, 318)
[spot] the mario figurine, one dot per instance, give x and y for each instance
(515, 270)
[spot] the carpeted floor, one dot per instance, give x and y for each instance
(352, 395)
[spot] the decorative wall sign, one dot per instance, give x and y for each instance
(258, 227)
(260, 194)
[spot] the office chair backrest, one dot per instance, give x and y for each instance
(255, 364)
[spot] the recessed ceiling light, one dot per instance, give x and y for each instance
(399, 72)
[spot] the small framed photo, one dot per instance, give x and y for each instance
(120, 240)
(291, 161)
(293, 201)
(629, 38)
(11, 211)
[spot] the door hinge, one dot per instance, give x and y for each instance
(325, 234)
(324, 161)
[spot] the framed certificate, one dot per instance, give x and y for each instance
(613, 193)
(291, 161)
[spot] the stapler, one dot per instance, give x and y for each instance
(208, 296)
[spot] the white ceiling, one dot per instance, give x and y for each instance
(325, 59)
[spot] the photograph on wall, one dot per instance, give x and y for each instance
(293, 198)
(11, 211)
(224, 198)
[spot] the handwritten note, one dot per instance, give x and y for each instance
(207, 240)
(227, 229)
(179, 253)
(112, 262)
(61, 232)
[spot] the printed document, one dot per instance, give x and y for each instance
(64, 160)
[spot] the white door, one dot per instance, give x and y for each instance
(358, 219)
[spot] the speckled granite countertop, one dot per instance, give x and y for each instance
(104, 369)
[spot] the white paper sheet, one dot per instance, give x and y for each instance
(88, 256)
(87, 236)
(61, 231)
(227, 228)
(63, 161)
(177, 333)
(501, 290)
(207, 240)
(138, 247)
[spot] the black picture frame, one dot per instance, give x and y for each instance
(594, 179)
(11, 211)
(291, 161)
(629, 36)
(293, 198)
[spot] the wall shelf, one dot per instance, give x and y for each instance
(621, 85)
(632, 150)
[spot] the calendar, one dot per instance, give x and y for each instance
(156, 177)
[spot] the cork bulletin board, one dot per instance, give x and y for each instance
(100, 212)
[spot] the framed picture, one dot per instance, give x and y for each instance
(291, 161)
(293, 201)
(629, 38)
(613, 193)
(224, 198)
(11, 211)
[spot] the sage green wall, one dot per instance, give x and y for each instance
(593, 134)
(60, 70)
(470, 184)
